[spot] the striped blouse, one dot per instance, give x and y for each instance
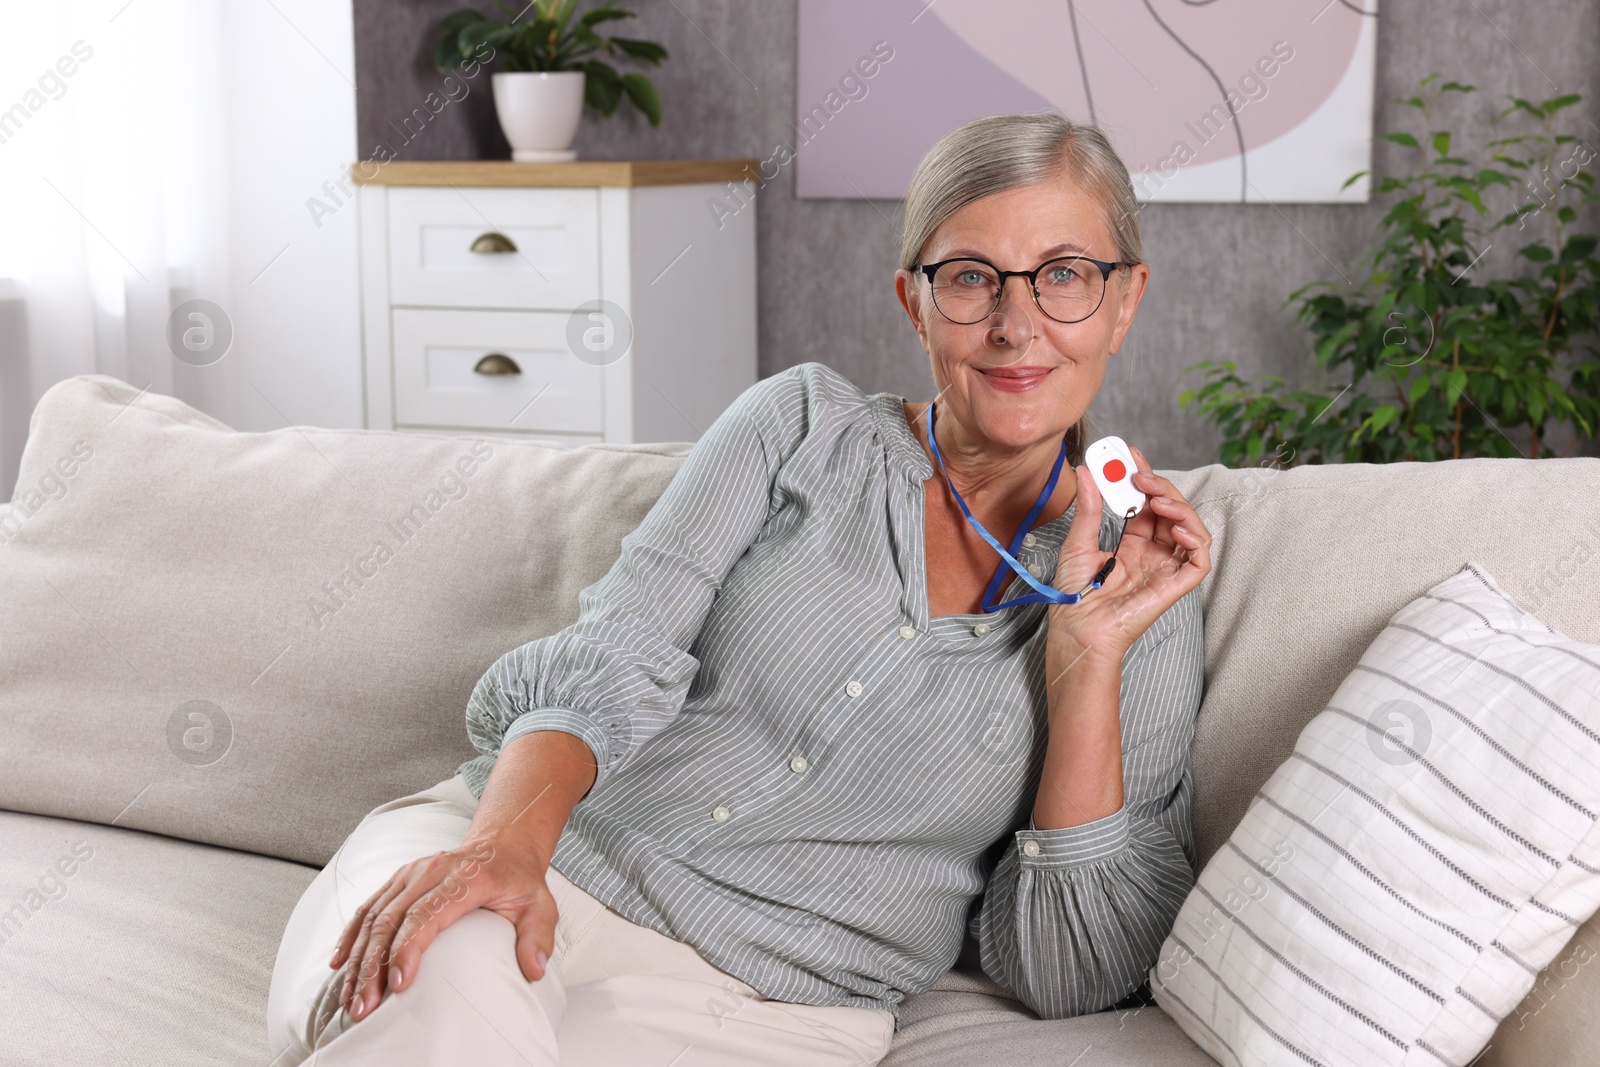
(810, 781)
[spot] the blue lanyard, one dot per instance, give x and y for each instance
(1044, 593)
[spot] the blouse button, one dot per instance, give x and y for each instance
(798, 765)
(908, 632)
(1031, 847)
(982, 629)
(720, 813)
(1029, 540)
(853, 687)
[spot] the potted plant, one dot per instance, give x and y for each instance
(553, 70)
(1443, 362)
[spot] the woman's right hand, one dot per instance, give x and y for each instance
(387, 935)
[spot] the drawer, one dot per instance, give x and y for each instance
(436, 383)
(549, 256)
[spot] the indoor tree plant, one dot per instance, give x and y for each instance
(1442, 362)
(555, 65)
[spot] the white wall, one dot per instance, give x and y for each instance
(292, 121)
(177, 163)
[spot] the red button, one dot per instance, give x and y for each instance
(1114, 471)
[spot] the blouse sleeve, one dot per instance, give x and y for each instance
(1073, 923)
(620, 673)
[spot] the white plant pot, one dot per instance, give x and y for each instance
(539, 113)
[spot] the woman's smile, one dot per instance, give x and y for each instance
(1014, 379)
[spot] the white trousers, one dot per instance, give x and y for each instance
(615, 994)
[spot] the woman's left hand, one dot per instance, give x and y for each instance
(1165, 552)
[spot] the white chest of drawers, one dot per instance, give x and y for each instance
(571, 302)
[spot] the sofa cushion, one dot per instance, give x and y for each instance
(118, 946)
(1310, 563)
(966, 1021)
(1431, 845)
(253, 639)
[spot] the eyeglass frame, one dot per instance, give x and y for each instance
(1033, 283)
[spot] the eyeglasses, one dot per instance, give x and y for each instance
(1067, 289)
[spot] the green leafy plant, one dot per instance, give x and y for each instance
(544, 37)
(1442, 363)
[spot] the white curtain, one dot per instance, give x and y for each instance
(136, 148)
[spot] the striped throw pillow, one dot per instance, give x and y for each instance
(1430, 845)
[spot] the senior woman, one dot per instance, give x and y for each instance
(804, 735)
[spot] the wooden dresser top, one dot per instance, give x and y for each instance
(582, 172)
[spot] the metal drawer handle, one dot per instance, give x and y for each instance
(493, 242)
(496, 363)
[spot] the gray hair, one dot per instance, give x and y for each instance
(990, 155)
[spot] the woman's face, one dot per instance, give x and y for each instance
(1020, 377)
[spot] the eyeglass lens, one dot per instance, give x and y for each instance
(968, 290)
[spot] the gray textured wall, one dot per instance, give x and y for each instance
(1220, 273)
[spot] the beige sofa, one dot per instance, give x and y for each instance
(209, 672)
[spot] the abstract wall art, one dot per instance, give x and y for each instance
(1206, 100)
